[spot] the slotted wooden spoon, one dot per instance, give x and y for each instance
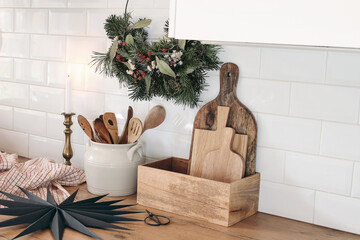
(86, 127)
(135, 130)
(111, 125)
(154, 118)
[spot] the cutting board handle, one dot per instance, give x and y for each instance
(222, 116)
(229, 75)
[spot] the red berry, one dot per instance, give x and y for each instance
(139, 78)
(139, 55)
(118, 57)
(164, 50)
(147, 59)
(141, 60)
(132, 75)
(124, 44)
(171, 64)
(149, 53)
(123, 60)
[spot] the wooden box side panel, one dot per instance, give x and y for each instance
(244, 198)
(172, 164)
(180, 165)
(164, 164)
(183, 194)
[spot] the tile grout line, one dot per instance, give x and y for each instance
(352, 180)
(306, 153)
(355, 124)
(313, 215)
(284, 171)
(326, 67)
(310, 189)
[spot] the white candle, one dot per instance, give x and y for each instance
(68, 91)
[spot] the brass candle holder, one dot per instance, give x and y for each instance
(67, 152)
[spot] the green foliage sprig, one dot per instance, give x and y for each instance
(168, 68)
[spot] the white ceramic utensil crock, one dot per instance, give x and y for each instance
(112, 168)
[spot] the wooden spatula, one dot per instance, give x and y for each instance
(124, 134)
(154, 118)
(101, 131)
(86, 127)
(135, 130)
(111, 125)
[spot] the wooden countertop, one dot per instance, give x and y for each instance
(258, 227)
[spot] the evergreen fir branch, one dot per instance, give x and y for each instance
(102, 63)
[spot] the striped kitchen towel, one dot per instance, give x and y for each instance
(36, 175)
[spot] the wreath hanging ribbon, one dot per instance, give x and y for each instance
(170, 68)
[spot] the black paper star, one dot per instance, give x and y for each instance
(79, 215)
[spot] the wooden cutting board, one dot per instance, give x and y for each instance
(240, 118)
(214, 142)
(223, 164)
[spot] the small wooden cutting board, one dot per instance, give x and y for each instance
(223, 164)
(206, 141)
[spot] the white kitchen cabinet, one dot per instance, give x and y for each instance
(333, 23)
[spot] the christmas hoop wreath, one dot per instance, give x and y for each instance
(168, 68)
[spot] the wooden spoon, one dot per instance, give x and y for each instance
(111, 125)
(86, 127)
(154, 118)
(135, 130)
(101, 131)
(124, 134)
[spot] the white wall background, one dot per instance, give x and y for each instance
(306, 102)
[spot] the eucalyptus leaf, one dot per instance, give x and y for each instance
(114, 48)
(127, 64)
(164, 68)
(129, 39)
(147, 83)
(181, 44)
(141, 24)
(189, 70)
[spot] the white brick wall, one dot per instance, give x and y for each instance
(306, 102)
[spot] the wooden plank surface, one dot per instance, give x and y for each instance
(258, 227)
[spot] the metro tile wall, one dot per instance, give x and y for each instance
(306, 102)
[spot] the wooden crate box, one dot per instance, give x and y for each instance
(165, 185)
